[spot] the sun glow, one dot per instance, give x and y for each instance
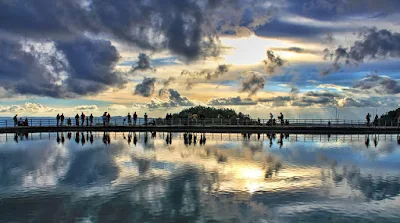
(249, 50)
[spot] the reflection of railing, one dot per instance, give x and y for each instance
(120, 121)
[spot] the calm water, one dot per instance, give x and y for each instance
(122, 177)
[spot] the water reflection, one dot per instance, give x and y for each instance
(199, 177)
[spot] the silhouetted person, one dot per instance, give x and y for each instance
(91, 119)
(281, 117)
(77, 120)
(62, 138)
(134, 118)
(15, 120)
(91, 138)
(87, 121)
(26, 123)
(108, 118)
(58, 119)
(145, 119)
(62, 119)
(129, 119)
(69, 135)
(83, 118)
(368, 118)
(376, 120)
(69, 122)
(16, 137)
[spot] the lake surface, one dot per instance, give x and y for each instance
(161, 177)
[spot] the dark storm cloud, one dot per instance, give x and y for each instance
(252, 83)
(375, 44)
(80, 66)
(146, 88)
(22, 73)
(187, 28)
(378, 84)
(232, 101)
(91, 65)
(143, 63)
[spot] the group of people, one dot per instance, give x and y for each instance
(135, 116)
(21, 122)
(368, 118)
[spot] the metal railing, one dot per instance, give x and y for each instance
(121, 121)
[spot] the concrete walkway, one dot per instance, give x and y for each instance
(212, 129)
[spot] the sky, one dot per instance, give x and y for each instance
(305, 58)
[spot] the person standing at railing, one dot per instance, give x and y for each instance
(134, 118)
(376, 120)
(87, 121)
(129, 119)
(77, 119)
(368, 117)
(83, 118)
(15, 120)
(69, 122)
(108, 118)
(281, 117)
(62, 119)
(145, 119)
(91, 119)
(26, 123)
(58, 119)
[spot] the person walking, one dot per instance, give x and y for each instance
(77, 119)
(91, 119)
(83, 118)
(129, 119)
(134, 118)
(58, 119)
(62, 119)
(15, 120)
(145, 119)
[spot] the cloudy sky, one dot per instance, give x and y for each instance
(305, 58)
